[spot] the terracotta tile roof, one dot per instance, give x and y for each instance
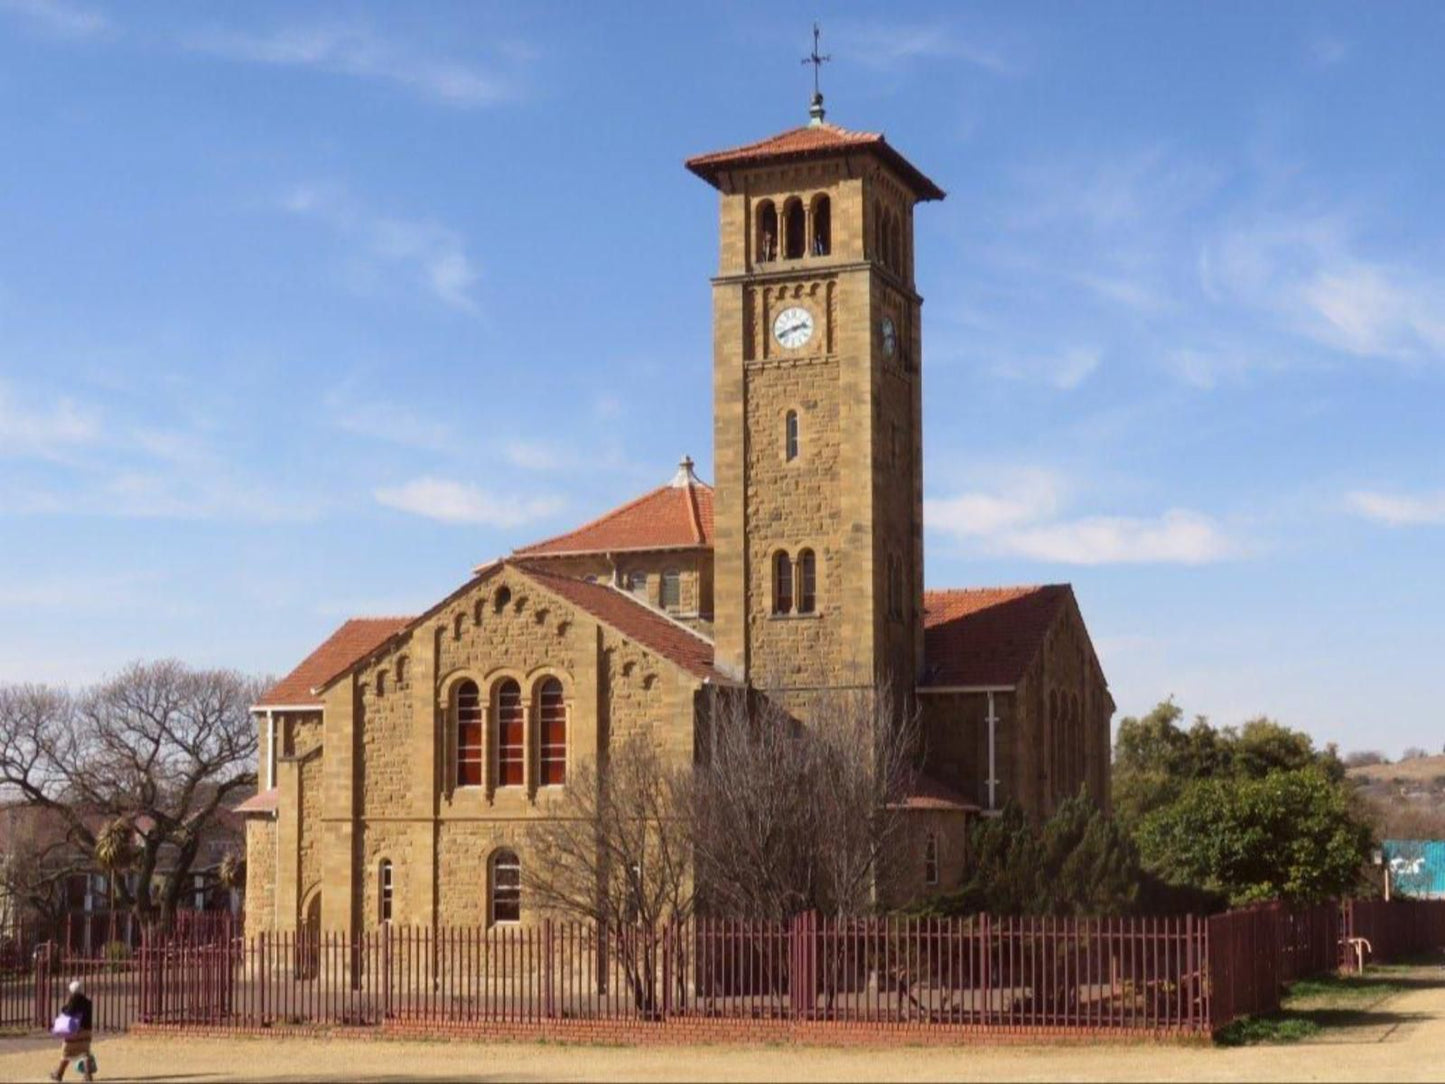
(356, 638)
(987, 635)
(634, 619)
(810, 141)
(264, 802)
(679, 514)
(927, 793)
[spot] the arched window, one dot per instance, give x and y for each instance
(895, 244)
(930, 859)
(458, 625)
(767, 243)
(790, 436)
(506, 887)
(400, 670)
(637, 584)
(552, 727)
(807, 582)
(383, 890)
(878, 249)
(886, 256)
(469, 735)
(794, 229)
(380, 682)
(501, 598)
(671, 597)
(510, 746)
(822, 226)
(782, 583)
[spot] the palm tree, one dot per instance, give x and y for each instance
(115, 850)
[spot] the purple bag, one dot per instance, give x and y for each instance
(65, 1026)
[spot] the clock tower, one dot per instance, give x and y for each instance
(817, 412)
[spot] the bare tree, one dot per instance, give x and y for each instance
(160, 747)
(616, 851)
(791, 816)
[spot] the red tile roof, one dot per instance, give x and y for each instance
(812, 141)
(987, 635)
(354, 640)
(634, 619)
(673, 516)
(927, 793)
(264, 802)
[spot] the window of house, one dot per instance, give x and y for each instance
(502, 597)
(767, 241)
(637, 584)
(930, 859)
(782, 583)
(672, 589)
(510, 744)
(469, 735)
(380, 682)
(506, 887)
(458, 625)
(807, 574)
(794, 229)
(790, 436)
(400, 670)
(384, 891)
(552, 722)
(822, 226)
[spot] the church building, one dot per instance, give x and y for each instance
(402, 759)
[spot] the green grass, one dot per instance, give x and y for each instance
(1313, 1005)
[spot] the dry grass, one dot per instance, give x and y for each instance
(1419, 770)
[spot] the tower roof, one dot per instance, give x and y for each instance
(818, 140)
(678, 515)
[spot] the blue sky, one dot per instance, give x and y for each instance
(307, 309)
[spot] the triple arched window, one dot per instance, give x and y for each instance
(509, 744)
(795, 582)
(795, 231)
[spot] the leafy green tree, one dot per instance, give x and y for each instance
(1292, 834)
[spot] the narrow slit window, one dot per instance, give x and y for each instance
(469, 735)
(767, 242)
(790, 436)
(807, 582)
(930, 859)
(794, 229)
(822, 226)
(672, 589)
(506, 887)
(510, 746)
(552, 722)
(782, 583)
(384, 891)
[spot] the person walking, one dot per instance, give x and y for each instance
(77, 1043)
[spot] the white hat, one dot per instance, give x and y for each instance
(76, 987)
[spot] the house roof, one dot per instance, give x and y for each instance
(986, 635)
(927, 793)
(636, 620)
(263, 802)
(677, 515)
(354, 640)
(812, 141)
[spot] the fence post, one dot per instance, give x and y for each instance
(667, 969)
(42, 983)
(550, 1002)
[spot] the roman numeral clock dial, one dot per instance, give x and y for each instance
(793, 327)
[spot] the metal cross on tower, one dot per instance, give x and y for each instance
(815, 111)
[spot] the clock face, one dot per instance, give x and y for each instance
(890, 336)
(793, 327)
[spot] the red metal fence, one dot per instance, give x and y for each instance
(1156, 975)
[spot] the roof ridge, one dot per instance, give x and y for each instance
(694, 514)
(650, 608)
(603, 518)
(999, 587)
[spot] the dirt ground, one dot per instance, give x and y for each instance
(1399, 1038)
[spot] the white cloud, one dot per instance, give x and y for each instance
(433, 254)
(888, 46)
(28, 430)
(1031, 496)
(383, 419)
(57, 17)
(458, 502)
(1178, 536)
(359, 52)
(1065, 370)
(1307, 272)
(1023, 519)
(1398, 510)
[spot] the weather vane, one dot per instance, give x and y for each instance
(815, 111)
